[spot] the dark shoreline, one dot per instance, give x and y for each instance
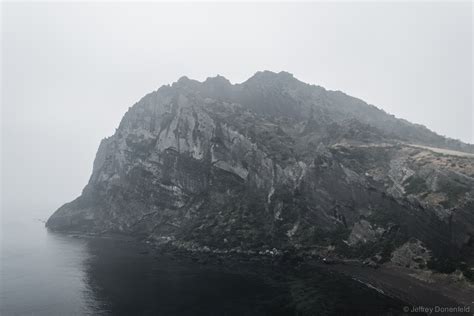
(390, 281)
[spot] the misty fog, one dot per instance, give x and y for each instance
(70, 71)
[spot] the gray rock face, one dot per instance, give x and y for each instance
(275, 163)
(411, 254)
(363, 232)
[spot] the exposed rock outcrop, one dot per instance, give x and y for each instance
(275, 163)
(411, 254)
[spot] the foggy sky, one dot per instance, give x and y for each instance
(70, 71)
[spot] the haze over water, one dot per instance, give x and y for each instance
(45, 273)
(41, 272)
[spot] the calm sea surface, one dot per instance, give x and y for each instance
(44, 273)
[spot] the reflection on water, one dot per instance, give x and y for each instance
(44, 273)
(41, 273)
(126, 282)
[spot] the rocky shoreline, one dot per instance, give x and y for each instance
(408, 287)
(414, 286)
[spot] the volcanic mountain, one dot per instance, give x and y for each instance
(275, 164)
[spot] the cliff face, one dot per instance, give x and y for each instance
(276, 163)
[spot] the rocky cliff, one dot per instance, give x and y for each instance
(274, 163)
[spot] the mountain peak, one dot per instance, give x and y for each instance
(218, 82)
(218, 78)
(270, 76)
(183, 79)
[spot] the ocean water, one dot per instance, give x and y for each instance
(45, 273)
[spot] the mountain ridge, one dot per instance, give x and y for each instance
(213, 86)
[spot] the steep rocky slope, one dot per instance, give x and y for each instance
(274, 163)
